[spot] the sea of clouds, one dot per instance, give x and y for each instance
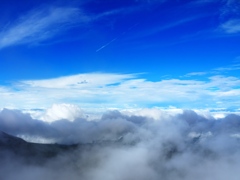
(147, 144)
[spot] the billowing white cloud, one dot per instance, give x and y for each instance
(142, 144)
(69, 124)
(153, 113)
(62, 111)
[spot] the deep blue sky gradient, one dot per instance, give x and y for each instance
(160, 38)
(157, 39)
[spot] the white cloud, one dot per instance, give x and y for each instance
(231, 26)
(40, 24)
(183, 145)
(109, 90)
(90, 80)
(195, 74)
(153, 113)
(233, 67)
(62, 111)
(113, 124)
(215, 71)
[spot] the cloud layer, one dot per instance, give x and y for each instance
(178, 145)
(109, 90)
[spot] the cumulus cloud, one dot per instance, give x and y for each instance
(171, 145)
(62, 111)
(113, 124)
(63, 130)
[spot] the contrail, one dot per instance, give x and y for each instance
(116, 38)
(106, 44)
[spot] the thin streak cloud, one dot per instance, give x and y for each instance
(102, 47)
(158, 29)
(40, 24)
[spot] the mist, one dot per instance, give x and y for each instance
(124, 146)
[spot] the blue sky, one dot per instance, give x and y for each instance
(120, 53)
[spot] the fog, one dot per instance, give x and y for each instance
(120, 146)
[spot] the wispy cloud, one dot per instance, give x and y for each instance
(228, 14)
(170, 25)
(219, 70)
(40, 24)
(229, 7)
(231, 26)
(46, 22)
(195, 74)
(233, 67)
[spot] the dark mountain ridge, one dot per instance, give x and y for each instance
(30, 151)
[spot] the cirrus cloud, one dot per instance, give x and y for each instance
(232, 26)
(41, 24)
